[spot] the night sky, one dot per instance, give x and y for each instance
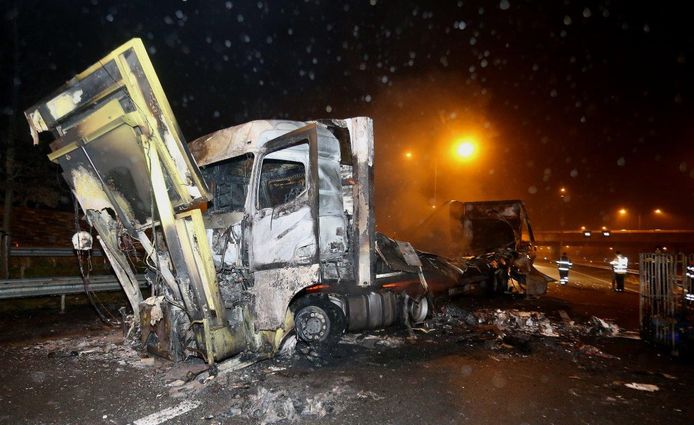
(593, 96)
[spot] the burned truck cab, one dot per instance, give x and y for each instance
(246, 234)
(281, 213)
(290, 223)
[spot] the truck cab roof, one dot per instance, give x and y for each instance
(250, 137)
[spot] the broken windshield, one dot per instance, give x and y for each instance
(229, 181)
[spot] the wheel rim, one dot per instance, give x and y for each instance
(312, 324)
(418, 310)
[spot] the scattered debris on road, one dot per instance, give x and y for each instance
(373, 341)
(510, 328)
(591, 350)
(104, 348)
(604, 328)
(642, 387)
(291, 402)
(266, 393)
(526, 322)
(305, 384)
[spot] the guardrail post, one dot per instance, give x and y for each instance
(62, 303)
(5, 255)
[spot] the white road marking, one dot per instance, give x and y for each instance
(168, 413)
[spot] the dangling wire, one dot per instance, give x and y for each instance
(86, 257)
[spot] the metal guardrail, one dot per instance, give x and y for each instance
(605, 267)
(679, 278)
(42, 286)
(49, 252)
(592, 265)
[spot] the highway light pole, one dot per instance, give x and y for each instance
(464, 149)
(562, 195)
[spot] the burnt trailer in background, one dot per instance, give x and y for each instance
(492, 242)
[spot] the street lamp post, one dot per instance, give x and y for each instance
(562, 195)
(436, 178)
(463, 150)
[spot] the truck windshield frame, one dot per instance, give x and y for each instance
(229, 181)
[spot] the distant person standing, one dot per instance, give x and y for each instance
(619, 267)
(689, 282)
(564, 265)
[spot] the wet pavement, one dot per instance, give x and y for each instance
(479, 361)
(582, 276)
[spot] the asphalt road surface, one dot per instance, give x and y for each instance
(590, 277)
(71, 369)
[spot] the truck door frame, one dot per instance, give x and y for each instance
(307, 134)
(276, 283)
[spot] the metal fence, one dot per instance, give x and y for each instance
(664, 309)
(687, 283)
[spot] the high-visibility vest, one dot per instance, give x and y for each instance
(564, 265)
(620, 264)
(690, 271)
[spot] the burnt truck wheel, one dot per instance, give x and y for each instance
(312, 324)
(318, 321)
(418, 310)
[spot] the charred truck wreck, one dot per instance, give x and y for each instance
(273, 233)
(491, 242)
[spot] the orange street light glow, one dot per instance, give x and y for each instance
(622, 211)
(408, 155)
(658, 211)
(465, 148)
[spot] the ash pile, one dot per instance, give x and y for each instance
(514, 329)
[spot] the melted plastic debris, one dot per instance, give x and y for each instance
(642, 387)
(102, 348)
(290, 405)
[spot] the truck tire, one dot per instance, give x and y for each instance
(317, 321)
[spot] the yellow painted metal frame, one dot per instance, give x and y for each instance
(190, 224)
(94, 126)
(159, 134)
